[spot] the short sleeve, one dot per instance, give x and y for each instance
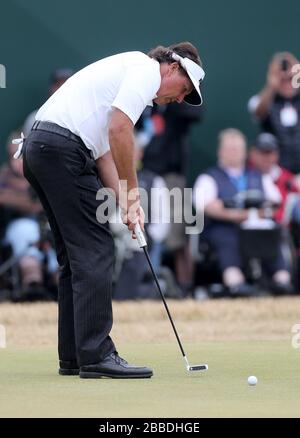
(205, 191)
(253, 104)
(138, 89)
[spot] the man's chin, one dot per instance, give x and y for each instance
(158, 100)
(162, 100)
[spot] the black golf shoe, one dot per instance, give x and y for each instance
(67, 368)
(115, 367)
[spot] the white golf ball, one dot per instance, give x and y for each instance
(252, 380)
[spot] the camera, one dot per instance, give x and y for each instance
(284, 65)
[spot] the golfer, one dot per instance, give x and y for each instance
(82, 140)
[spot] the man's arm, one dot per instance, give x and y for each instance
(108, 173)
(266, 98)
(268, 93)
(21, 201)
(206, 198)
(121, 140)
(216, 210)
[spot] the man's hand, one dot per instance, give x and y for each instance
(275, 78)
(131, 210)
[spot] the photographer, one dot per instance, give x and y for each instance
(277, 109)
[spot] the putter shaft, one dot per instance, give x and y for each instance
(143, 244)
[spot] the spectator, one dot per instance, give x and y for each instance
(218, 186)
(131, 266)
(264, 157)
(58, 78)
(19, 212)
(167, 155)
(277, 109)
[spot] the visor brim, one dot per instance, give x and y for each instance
(195, 97)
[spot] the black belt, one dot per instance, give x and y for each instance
(56, 129)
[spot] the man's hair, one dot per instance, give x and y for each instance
(231, 132)
(185, 50)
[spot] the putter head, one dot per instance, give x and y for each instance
(197, 368)
(194, 368)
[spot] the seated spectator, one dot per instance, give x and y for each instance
(277, 109)
(264, 157)
(221, 184)
(20, 210)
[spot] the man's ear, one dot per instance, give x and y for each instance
(173, 67)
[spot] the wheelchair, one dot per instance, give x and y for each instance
(260, 241)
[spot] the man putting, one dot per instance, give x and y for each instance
(81, 141)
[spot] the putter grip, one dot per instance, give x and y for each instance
(140, 236)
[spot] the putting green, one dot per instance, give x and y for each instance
(30, 386)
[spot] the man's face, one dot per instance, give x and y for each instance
(232, 151)
(174, 86)
(263, 160)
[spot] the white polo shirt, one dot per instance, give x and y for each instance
(83, 104)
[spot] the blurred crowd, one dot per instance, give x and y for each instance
(249, 201)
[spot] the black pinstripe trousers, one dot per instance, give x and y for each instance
(65, 178)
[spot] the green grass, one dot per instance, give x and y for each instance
(30, 386)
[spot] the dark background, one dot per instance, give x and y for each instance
(236, 40)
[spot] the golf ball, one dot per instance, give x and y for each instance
(252, 380)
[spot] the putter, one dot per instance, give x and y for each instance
(143, 244)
